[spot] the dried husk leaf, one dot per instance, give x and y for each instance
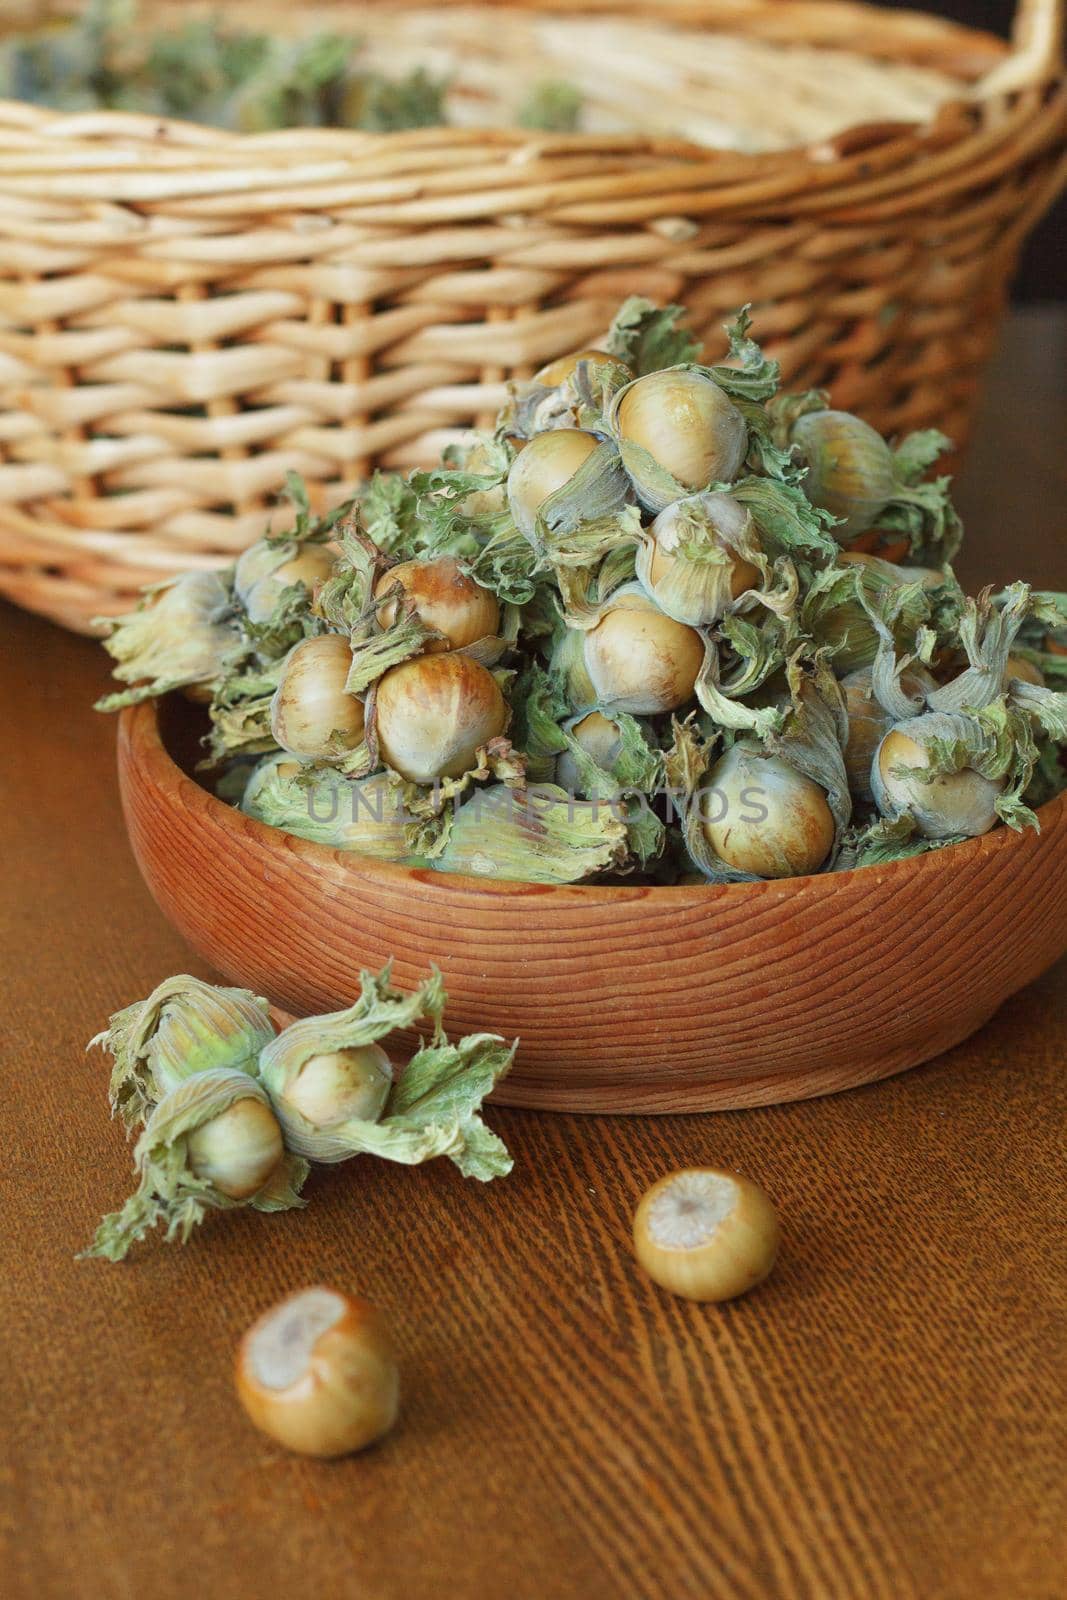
(725, 703)
(596, 493)
(364, 815)
(885, 840)
(898, 699)
(995, 742)
(373, 657)
(540, 707)
(811, 740)
(1042, 638)
(584, 547)
(169, 1192)
(432, 1110)
(179, 637)
(184, 1027)
(463, 504)
(545, 730)
(701, 541)
(582, 400)
(539, 835)
(814, 737)
(986, 633)
(648, 337)
(787, 524)
(847, 610)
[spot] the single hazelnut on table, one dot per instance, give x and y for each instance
(706, 1234)
(318, 1374)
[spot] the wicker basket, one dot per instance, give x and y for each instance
(186, 314)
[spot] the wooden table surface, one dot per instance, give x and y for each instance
(883, 1418)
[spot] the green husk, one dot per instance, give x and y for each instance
(1044, 625)
(185, 1027)
(372, 658)
(364, 815)
(810, 737)
(389, 512)
(635, 773)
(540, 707)
(996, 742)
(263, 558)
(891, 497)
(461, 504)
(701, 536)
(544, 727)
(750, 376)
(856, 612)
(988, 629)
(814, 736)
(724, 701)
(169, 1192)
(788, 525)
(241, 712)
(434, 1108)
(885, 840)
(647, 337)
(637, 766)
(540, 835)
(180, 636)
(596, 495)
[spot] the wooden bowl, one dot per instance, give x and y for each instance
(626, 999)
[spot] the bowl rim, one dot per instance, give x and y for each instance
(141, 746)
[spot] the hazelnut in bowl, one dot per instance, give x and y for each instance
(657, 720)
(626, 999)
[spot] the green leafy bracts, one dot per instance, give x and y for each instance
(878, 843)
(185, 1027)
(1042, 636)
(814, 735)
(537, 835)
(365, 815)
(954, 774)
(858, 610)
(778, 806)
(647, 337)
(850, 471)
(179, 637)
(191, 1162)
(432, 1111)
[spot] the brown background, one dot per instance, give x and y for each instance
(882, 1419)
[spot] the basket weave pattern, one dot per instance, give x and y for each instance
(185, 314)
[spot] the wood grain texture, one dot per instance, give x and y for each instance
(883, 1420)
(625, 999)
(186, 313)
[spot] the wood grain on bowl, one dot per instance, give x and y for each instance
(626, 999)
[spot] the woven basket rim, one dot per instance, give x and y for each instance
(955, 49)
(834, 23)
(184, 310)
